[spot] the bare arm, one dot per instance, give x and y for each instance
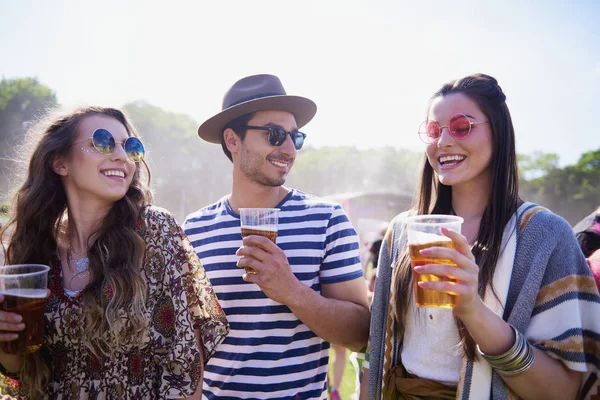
(547, 378)
(340, 315)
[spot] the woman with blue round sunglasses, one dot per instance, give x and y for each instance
(126, 287)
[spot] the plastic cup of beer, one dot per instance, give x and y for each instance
(261, 222)
(24, 290)
(423, 231)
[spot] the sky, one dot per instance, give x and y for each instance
(371, 66)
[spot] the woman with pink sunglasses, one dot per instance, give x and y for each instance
(130, 313)
(525, 318)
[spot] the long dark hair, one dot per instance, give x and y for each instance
(433, 197)
(38, 214)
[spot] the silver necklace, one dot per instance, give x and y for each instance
(82, 265)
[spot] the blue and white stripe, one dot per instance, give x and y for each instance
(269, 353)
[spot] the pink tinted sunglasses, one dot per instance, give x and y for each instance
(459, 127)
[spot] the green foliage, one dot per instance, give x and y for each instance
(331, 170)
(589, 161)
(187, 173)
(572, 192)
(21, 100)
(536, 164)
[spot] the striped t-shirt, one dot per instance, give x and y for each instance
(269, 353)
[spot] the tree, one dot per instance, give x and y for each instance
(589, 161)
(21, 100)
(187, 173)
(536, 164)
(334, 170)
(572, 192)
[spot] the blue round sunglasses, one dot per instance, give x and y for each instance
(104, 143)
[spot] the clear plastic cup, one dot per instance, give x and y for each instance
(423, 231)
(261, 222)
(24, 288)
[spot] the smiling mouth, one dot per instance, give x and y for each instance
(278, 163)
(447, 161)
(112, 172)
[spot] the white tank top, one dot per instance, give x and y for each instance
(430, 347)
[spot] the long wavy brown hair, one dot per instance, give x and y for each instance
(433, 197)
(115, 252)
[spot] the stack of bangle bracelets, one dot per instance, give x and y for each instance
(514, 362)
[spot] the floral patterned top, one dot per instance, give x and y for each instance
(167, 363)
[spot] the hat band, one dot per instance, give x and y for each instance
(260, 96)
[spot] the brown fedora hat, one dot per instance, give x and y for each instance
(252, 94)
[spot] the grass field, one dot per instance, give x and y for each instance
(348, 381)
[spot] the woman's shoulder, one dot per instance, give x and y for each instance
(155, 212)
(397, 222)
(536, 218)
(395, 227)
(153, 218)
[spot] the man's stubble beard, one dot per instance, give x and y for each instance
(251, 168)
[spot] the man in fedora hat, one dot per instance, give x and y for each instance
(308, 289)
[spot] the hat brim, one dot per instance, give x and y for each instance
(302, 108)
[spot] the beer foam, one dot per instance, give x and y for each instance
(415, 237)
(269, 228)
(28, 293)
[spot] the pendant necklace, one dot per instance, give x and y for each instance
(81, 266)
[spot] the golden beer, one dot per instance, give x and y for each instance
(29, 304)
(260, 231)
(430, 298)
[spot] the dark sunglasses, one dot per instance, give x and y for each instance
(459, 127)
(104, 143)
(277, 135)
